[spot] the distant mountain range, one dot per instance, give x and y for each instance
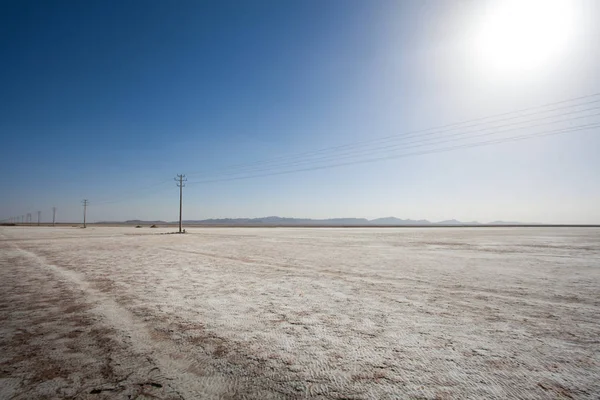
(280, 221)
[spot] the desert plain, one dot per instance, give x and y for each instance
(290, 313)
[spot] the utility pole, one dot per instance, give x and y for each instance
(53, 216)
(180, 179)
(85, 204)
(39, 213)
(29, 218)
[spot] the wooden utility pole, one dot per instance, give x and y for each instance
(85, 204)
(39, 214)
(180, 179)
(53, 216)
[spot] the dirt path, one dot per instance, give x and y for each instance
(60, 340)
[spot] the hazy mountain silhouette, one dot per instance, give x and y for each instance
(282, 221)
(386, 221)
(398, 221)
(512, 223)
(273, 220)
(451, 222)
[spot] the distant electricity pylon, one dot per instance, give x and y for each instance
(53, 216)
(180, 179)
(39, 215)
(85, 204)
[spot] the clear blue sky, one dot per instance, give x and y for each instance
(108, 100)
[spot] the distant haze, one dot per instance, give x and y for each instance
(281, 221)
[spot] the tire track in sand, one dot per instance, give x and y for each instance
(172, 360)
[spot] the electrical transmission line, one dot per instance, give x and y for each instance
(472, 123)
(431, 151)
(422, 142)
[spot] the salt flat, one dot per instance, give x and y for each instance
(362, 313)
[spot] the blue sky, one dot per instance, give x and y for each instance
(110, 100)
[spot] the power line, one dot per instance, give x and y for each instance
(421, 142)
(439, 150)
(434, 130)
(266, 172)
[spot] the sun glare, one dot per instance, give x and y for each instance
(518, 36)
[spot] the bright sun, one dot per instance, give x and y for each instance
(524, 35)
